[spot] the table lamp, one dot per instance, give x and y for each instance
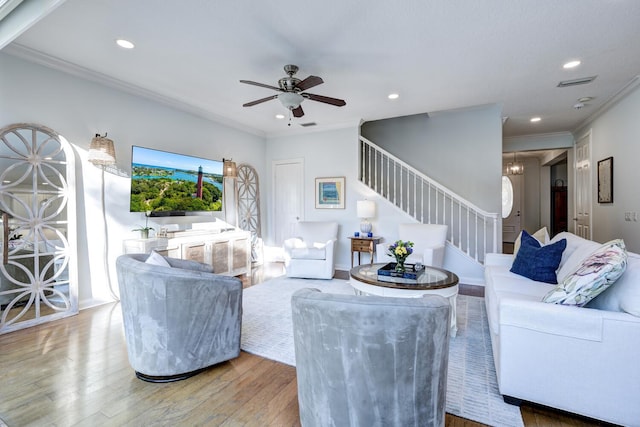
(366, 209)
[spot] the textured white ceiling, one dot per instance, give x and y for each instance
(437, 55)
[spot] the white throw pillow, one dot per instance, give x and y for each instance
(156, 259)
(577, 250)
(592, 277)
(541, 236)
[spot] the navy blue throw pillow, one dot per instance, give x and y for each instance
(538, 262)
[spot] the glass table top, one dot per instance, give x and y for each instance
(432, 278)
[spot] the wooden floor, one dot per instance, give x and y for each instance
(74, 372)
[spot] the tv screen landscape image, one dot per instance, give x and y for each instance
(164, 182)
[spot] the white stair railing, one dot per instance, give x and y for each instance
(471, 229)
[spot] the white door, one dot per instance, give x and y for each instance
(512, 224)
(582, 216)
(288, 199)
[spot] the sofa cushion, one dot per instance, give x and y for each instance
(538, 262)
(156, 259)
(595, 274)
(501, 283)
(308, 253)
(541, 236)
(577, 250)
(624, 295)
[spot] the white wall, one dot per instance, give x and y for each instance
(78, 109)
(461, 149)
(548, 141)
(452, 141)
(616, 133)
(326, 154)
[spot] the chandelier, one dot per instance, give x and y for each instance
(515, 167)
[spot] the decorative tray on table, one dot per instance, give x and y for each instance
(388, 273)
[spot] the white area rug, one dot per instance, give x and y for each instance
(472, 389)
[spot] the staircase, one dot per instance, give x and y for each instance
(472, 231)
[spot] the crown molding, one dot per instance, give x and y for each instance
(618, 96)
(66, 67)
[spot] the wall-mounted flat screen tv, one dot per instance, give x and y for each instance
(172, 184)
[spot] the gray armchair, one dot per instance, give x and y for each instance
(370, 361)
(178, 320)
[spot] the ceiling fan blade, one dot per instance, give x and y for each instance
(259, 101)
(297, 112)
(327, 100)
(249, 82)
(309, 82)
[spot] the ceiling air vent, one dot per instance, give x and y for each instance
(575, 82)
(308, 124)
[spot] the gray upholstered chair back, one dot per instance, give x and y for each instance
(177, 320)
(370, 361)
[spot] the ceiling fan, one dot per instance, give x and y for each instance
(292, 91)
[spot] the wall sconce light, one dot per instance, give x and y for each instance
(229, 168)
(366, 209)
(101, 151)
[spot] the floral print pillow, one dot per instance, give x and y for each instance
(595, 274)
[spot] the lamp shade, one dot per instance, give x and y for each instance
(101, 151)
(290, 100)
(229, 169)
(366, 209)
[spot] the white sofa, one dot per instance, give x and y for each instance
(310, 254)
(581, 360)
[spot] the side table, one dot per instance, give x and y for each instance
(364, 244)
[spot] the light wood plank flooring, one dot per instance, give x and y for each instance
(74, 372)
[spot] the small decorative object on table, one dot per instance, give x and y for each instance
(410, 275)
(400, 251)
(144, 231)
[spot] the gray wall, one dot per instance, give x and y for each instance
(461, 149)
(616, 133)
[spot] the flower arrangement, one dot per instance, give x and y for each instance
(400, 251)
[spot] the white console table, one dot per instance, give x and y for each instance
(229, 252)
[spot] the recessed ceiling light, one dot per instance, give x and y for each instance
(279, 116)
(393, 96)
(535, 119)
(125, 44)
(571, 64)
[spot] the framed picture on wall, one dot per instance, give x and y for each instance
(605, 180)
(330, 193)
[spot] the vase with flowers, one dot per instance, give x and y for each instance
(400, 251)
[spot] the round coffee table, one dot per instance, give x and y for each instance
(434, 281)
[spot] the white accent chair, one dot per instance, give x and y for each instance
(310, 254)
(429, 244)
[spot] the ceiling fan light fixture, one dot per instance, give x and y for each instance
(290, 100)
(393, 96)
